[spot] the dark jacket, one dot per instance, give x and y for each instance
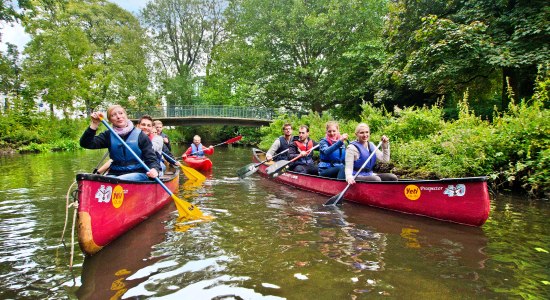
(90, 140)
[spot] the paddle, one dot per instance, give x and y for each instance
(252, 168)
(281, 166)
(229, 141)
(189, 172)
(336, 199)
(184, 207)
(96, 169)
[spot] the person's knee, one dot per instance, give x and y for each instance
(369, 178)
(388, 177)
(299, 169)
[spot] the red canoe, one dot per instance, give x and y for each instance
(108, 207)
(459, 200)
(198, 163)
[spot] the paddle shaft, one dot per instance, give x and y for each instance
(229, 141)
(168, 158)
(293, 160)
(96, 169)
(136, 156)
(334, 201)
(265, 160)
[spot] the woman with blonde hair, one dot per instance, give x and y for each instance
(124, 165)
(332, 152)
(358, 152)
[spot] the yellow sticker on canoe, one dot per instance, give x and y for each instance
(412, 192)
(117, 196)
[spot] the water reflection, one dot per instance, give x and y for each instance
(267, 241)
(106, 275)
(439, 242)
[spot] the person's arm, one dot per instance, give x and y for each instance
(326, 149)
(148, 154)
(157, 143)
(208, 151)
(274, 147)
(352, 154)
(315, 144)
(165, 138)
(184, 155)
(384, 155)
(89, 140)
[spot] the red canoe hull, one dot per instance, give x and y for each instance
(109, 207)
(459, 200)
(198, 163)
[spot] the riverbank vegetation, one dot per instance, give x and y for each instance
(454, 83)
(513, 150)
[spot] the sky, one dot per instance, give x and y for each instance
(14, 33)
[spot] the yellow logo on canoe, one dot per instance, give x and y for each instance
(117, 196)
(412, 192)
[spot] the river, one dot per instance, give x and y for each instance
(267, 241)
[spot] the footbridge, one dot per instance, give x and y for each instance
(193, 115)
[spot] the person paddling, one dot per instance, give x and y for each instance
(358, 152)
(280, 144)
(124, 165)
(197, 149)
(301, 147)
(332, 152)
(145, 123)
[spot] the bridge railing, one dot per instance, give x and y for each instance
(220, 111)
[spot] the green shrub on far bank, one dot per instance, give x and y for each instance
(36, 132)
(513, 150)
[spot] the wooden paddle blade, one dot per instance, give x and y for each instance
(191, 173)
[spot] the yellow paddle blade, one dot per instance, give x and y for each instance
(188, 210)
(192, 173)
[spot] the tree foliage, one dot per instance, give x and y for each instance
(301, 55)
(84, 54)
(443, 48)
(184, 32)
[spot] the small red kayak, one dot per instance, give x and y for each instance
(198, 163)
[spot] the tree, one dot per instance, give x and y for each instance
(12, 11)
(301, 55)
(84, 54)
(443, 48)
(10, 74)
(184, 33)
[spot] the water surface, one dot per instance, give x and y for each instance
(268, 241)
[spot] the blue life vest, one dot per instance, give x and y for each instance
(123, 160)
(335, 158)
(198, 149)
(283, 146)
(363, 155)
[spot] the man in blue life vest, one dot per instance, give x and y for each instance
(300, 147)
